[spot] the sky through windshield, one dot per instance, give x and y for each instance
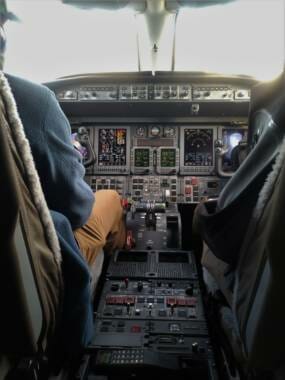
(53, 40)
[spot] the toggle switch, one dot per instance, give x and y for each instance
(195, 347)
(115, 287)
(140, 286)
(126, 281)
(189, 290)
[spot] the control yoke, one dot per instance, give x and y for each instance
(84, 140)
(220, 152)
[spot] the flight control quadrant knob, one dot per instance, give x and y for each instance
(195, 347)
(140, 286)
(189, 290)
(126, 281)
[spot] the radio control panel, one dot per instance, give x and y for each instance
(144, 325)
(165, 300)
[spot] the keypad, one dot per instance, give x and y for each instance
(133, 356)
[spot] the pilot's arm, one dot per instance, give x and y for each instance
(63, 184)
(58, 163)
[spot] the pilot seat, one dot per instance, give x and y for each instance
(39, 325)
(242, 231)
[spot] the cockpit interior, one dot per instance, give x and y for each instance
(188, 128)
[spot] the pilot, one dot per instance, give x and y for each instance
(95, 218)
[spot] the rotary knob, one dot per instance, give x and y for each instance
(140, 286)
(195, 347)
(240, 94)
(189, 291)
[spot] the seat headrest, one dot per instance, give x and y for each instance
(269, 97)
(267, 127)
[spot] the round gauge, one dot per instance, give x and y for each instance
(168, 131)
(154, 131)
(140, 131)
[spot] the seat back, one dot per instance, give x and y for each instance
(259, 278)
(259, 275)
(224, 226)
(266, 126)
(247, 223)
(30, 273)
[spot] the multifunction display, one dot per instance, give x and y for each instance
(142, 157)
(198, 147)
(112, 147)
(167, 157)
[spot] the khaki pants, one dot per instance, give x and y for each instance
(104, 228)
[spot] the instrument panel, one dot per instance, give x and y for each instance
(154, 162)
(173, 137)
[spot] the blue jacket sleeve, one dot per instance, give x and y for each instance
(59, 165)
(63, 178)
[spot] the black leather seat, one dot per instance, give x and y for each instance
(244, 229)
(31, 287)
(223, 224)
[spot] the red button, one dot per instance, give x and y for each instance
(191, 301)
(129, 300)
(188, 190)
(181, 301)
(170, 301)
(136, 329)
(125, 203)
(194, 181)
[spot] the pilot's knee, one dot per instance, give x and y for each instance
(107, 193)
(114, 196)
(110, 198)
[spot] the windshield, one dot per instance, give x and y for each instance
(53, 39)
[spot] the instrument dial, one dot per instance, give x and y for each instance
(140, 131)
(168, 132)
(154, 131)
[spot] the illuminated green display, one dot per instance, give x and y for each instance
(142, 158)
(167, 158)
